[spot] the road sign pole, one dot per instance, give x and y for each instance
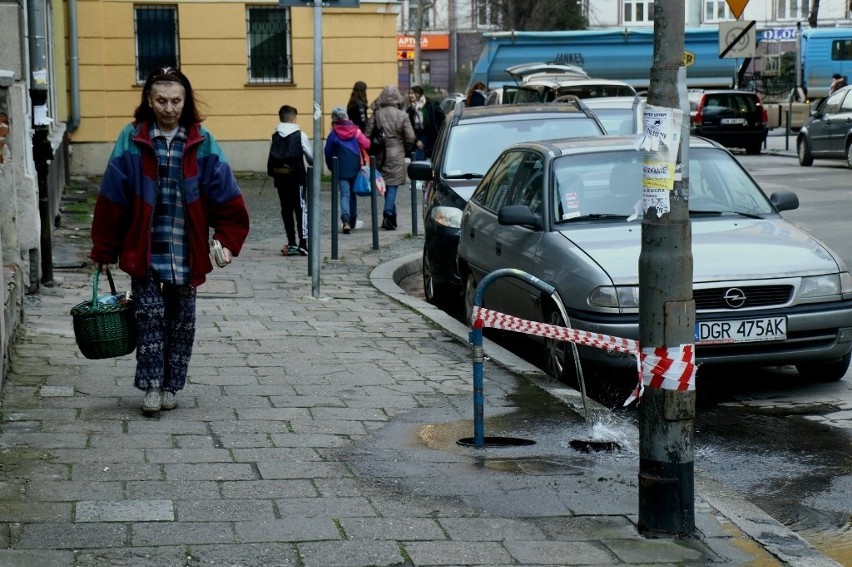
(316, 182)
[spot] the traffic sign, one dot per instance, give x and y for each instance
(737, 39)
(737, 7)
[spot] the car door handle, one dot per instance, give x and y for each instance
(498, 247)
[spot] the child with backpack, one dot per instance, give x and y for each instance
(288, 152)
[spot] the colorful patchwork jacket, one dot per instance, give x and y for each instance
(121, 228)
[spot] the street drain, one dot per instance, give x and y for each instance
(593, 446)
(496, 442)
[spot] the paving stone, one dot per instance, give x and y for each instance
(559, 552)
(350, 553)
(306, 529)
(296, 488)
(181, 533)
(210, 471)
(56, 391)
(225, 510)
(457, 553)
(399, 529)
(125, 511)
(72, 536)
(32, 558)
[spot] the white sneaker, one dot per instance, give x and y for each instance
(359, 224)
(169, 401)
(152, 402)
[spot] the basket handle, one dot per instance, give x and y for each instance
(95, 286)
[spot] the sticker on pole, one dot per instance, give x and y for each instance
(660, 140)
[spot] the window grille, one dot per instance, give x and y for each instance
(156, 39)
(269, 53)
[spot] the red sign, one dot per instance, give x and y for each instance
(428, 42)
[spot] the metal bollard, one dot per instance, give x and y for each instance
(335, 203)
(413, 202)
(374, 202)
(477, 351)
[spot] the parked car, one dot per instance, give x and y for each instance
(619, 114)
(766, 292)
(556, 88)
(467, 145)
(827, 133)
(734, 118)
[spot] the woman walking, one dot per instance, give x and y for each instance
(167, 184)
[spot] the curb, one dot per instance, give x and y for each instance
(774, 537)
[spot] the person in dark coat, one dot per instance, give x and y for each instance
(426, 119)
(476, 95)
(346, 142)
(356, 108)
(399, 139)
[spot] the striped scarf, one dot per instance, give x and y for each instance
(169, 240)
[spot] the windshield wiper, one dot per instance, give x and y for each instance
(741, 213)
(465, 176)
(592, 216)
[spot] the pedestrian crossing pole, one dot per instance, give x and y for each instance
(666, 306)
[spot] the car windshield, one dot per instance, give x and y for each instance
(616, 120)
(608, 185)
(472, 148)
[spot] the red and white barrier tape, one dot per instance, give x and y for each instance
(670, 368)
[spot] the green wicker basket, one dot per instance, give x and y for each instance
(104, 331)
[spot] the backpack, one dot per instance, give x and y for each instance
(286, 156)
(378, 143)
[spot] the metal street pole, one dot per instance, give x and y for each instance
(314, 205)
(666, 307)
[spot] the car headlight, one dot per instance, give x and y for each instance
(626, 297)
(819, 286)
(447, 216)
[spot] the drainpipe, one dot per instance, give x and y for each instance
(42, 150)
(74, 66)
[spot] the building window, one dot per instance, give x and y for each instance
(487, 14)
(425, 71)
(841, 50)
(717, 11)
(412, 15)
(156, 39)
(792, 9)
(269, 53)
(638, 11)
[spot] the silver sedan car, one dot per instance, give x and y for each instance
(569, 212)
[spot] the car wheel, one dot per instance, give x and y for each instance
(754, 148)
(849, 154)
(469, 294)
(804, 152)
(437, 294)
(559, 354)
(825, 371)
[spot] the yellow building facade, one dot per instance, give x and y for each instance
(215, 44)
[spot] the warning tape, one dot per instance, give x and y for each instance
(668, 368)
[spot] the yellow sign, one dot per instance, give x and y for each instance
(401, 55)
(737, 7)
(688, 59)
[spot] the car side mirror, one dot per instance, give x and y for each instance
(420, 170)
(785, 200)
(520, 215)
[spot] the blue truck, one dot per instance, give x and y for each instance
(620, 54)
(824, 52)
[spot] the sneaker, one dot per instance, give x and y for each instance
(358, 224)
(346, 228)
(169, 401)
(292, 250)
(303, 248)
(286, 250)
(152, 402)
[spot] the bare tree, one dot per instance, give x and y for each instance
(539, 15)
(814, 14)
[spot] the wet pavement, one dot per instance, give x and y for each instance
(322, 431)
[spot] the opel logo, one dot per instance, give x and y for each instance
(735, 298)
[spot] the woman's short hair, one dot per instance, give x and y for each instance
(190, 114)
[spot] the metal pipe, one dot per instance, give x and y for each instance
(413, 202)
(314, 206)
(73, 66)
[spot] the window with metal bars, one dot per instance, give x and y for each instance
(268, 33)
(156, 39)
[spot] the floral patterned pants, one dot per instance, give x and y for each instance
(165, 332)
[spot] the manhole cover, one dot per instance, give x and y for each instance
(496, 442)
